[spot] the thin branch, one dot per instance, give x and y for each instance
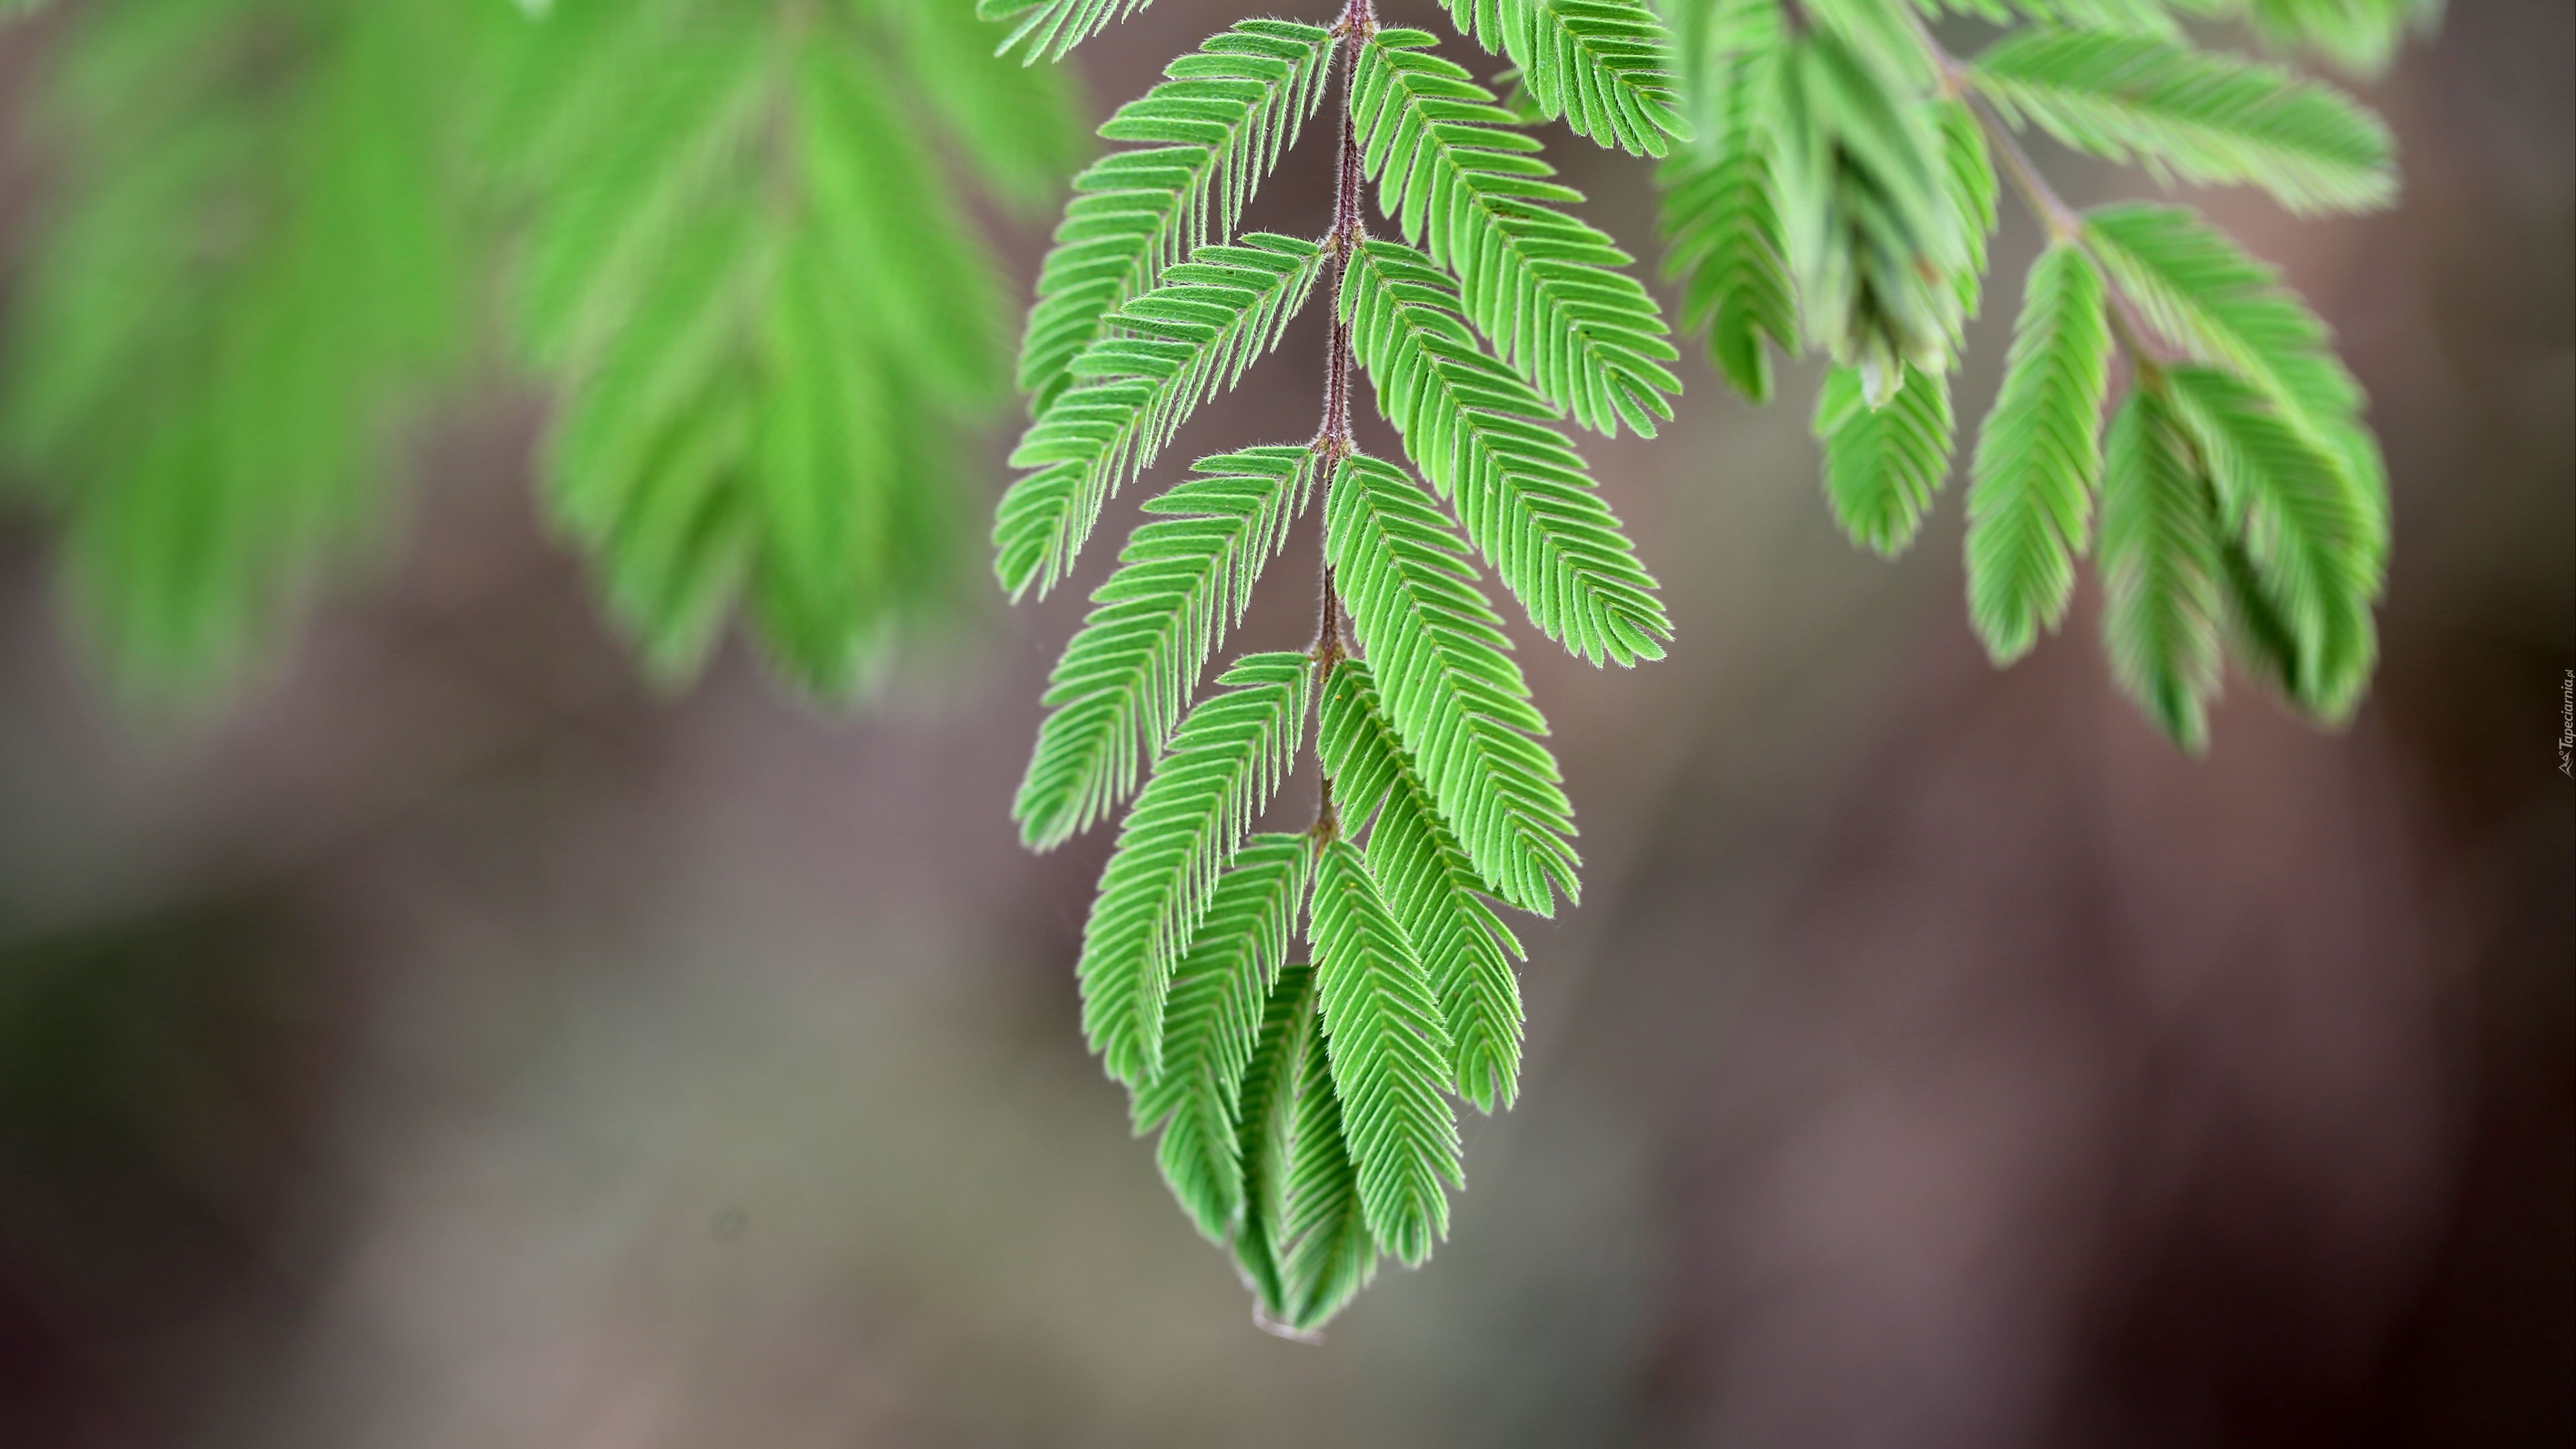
(1333, 441)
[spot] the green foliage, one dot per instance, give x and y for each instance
(1838, 135)
(1159, 357)
(1306, 1112)
(1216, 127)
(248, 283)
(2313, 539)
(2038, 458)
(1126, 676)
(767, 314)
(1431, 887)
(1222, 767)
(1461, 180)
(1219, 996)
(1389, 1055)
(1597, 64)
(2200, 117)
(1884, 464)
(1723, 238)
(2160, 569)
(1873, 224)
(1483, 439)
(1454, 695)
(737, 258)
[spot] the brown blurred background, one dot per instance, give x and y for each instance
(455, 1044)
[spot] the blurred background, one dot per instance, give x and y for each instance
(452, 1040)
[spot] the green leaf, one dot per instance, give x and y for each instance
(1265, 1116)
(1471, 190)
(1182, 579)
(767, 315)
(1599, 64)
(2313, 540)
(1389, 1055)
(1482, 437)
(1214, 129)
(1723, 242)
(1210, 1025)
(1430, 887)
(1457, 700)
(1970, 172)
(250, 278)
(1224, 764)
(1161, 355)
(1333, 1255)
(2031, 492)
(1883, 465)
(2203, 118)
(1048, 29)
(1870, 208)
(2160, 569)
(2201, 291)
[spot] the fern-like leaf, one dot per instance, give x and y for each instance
(1224, 763)
(1483, 439)
(1332, 1254)
(1164, 353)
(2222, 307)
(2201, 117)
(252, 278)
(1869, 205)
(1213, 130)
(1598, 64)
(2038, 456)
(1471, 190)
(1266, 1112)
(1183, 578)
(2160, 569)
(1884, 465)
(1389, 1054)
(1457, 700)
(1048, 29)
(1429, 886)
(1210, 1025)
(1723, 242)
(2315, 542)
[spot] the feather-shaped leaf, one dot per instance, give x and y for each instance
(1213, 129)
(1210, 1025)
(1047, 29)
(1333, 1255)
(2312, 537)
(2201, 290)
(2160, 569)
(1546, 288)
(1429, 886)
(2204, 118)
(1482, 438)
(2030, 500)
(1164, 353)
(1599, 64)
(1723, 242)
(1389, 1055)
(1185, 576)
(1457, 700)
(1225, 762)
(1265, 1117)
(1884, 465)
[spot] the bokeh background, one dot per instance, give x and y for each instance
(453, 1042)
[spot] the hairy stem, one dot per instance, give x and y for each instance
(1333, 439)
